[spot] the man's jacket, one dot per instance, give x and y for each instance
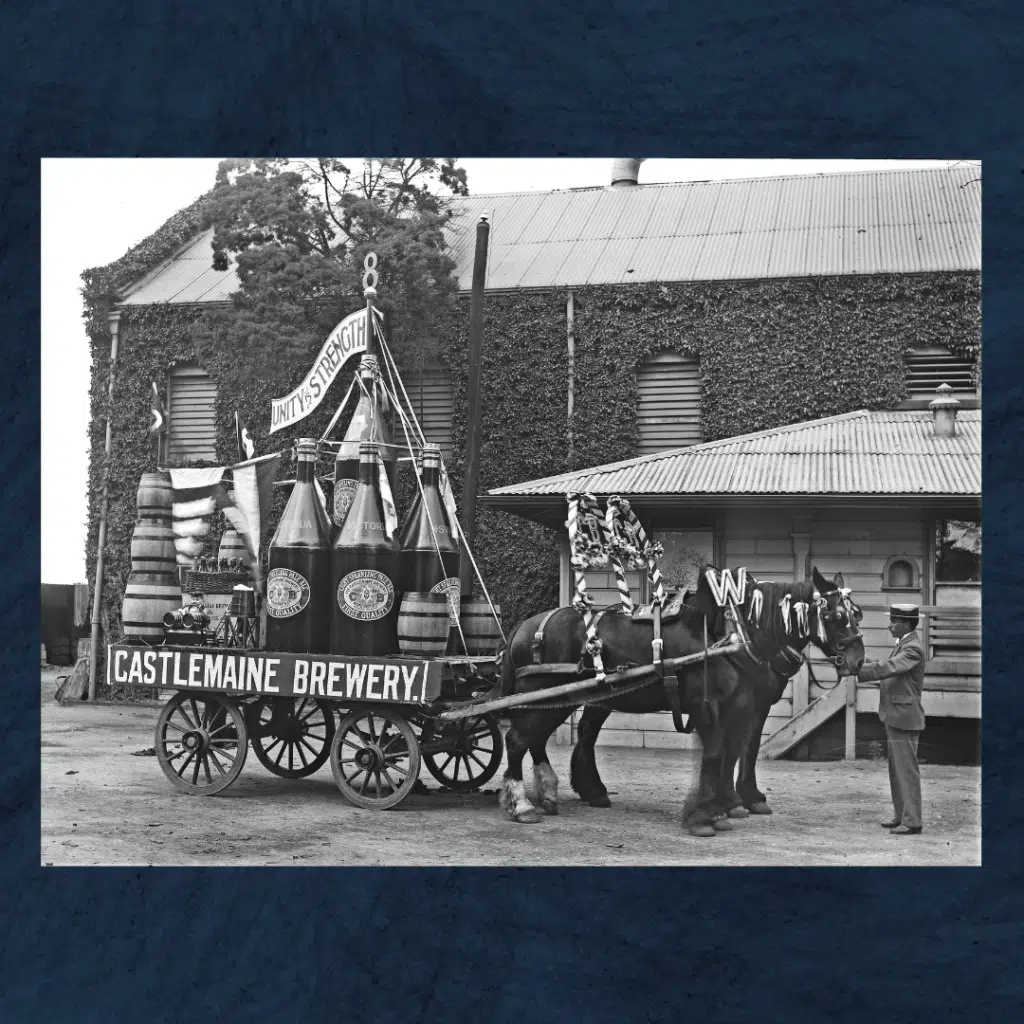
(901, 679)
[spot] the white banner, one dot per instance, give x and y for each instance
(346, 340)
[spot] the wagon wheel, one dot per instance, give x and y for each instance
(291, 737)
(469, 755)
(375, 757)
(201, 743)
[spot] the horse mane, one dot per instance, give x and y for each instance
(771, 621)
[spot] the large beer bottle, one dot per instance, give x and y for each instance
(365, 567)
(299, 576)
(367, 424)
(430, 549)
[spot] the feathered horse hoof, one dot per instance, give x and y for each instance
(600, 801)
(738, 812)
(761, 807)
(722, 825)
(704, 831)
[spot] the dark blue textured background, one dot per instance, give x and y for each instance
(795, 78)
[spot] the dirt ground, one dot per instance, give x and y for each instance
(102, 805)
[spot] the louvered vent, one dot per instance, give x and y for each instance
(192, 400)
(927, 368)
(669, 410)
(433, 400)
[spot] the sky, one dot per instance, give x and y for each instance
(93, 211)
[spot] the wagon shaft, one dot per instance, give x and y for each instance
(580, 685)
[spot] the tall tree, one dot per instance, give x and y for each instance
(298, 231)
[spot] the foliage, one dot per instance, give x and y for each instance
(299, 230)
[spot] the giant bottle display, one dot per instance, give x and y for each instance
(367, 424)
(299, 567)
(365, 567)
(152, 589)
(430, 565)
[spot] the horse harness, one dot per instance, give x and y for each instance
(663, 676)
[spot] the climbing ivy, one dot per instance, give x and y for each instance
(771, 353)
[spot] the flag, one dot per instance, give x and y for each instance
(449, 502)
(246, 448)
(196, 495)
(253, 493)
(158, 424)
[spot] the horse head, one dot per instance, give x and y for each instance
(838, 634)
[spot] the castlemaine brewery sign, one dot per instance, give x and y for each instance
(389, 680)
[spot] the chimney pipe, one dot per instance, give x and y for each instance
(944, 410)
(625, 173)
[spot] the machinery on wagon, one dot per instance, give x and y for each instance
(354, 643)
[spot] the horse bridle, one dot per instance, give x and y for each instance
(852, 613)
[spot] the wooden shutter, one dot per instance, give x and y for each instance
(929, 366)
(192, 432)
(433, 400)
(669, 406)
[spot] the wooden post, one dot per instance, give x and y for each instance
(476, 331)
(570, 319)
(850, 754)
(801, 536)
(801, 686)
(113, 321)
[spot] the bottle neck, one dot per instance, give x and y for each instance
(304, 474)
(367, 471)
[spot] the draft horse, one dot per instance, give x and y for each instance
(720, 696)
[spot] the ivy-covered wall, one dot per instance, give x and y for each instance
(772, 352)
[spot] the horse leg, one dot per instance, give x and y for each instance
(544, 777)
(746, 785)
(742, 718)
(583, 774)
(513, 792)
(703, 816)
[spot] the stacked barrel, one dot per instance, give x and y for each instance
(152, 588)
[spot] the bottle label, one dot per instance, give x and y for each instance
(366, 595)
(344, 492)
(287, 593)
(452, 587)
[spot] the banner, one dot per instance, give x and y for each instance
(346, 340)
(196, 495)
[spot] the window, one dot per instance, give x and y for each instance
(957, 551)
(432, 397)
(668, 414)
(191, 412)
(928, 366)
(900, 573)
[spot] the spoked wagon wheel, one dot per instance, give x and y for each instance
(465, 754)
(201, 743)
(291, 736)
(375, 757)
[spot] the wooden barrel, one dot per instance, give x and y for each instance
(232, 546)
(423, 624)
(152, 546)
(478, 626)
(154, 495)
(147, 597)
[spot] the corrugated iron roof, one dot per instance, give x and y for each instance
(860, 222)
(886, 453)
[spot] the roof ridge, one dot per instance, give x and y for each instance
(712, 181)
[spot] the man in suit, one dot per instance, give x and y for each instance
(899, 707)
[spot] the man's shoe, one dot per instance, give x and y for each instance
(906, 830)
(890, 824)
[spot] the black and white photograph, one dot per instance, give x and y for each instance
(510, 512)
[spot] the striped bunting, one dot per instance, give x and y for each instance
(197, 493)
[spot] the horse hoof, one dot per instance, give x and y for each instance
(526, 818)
(738, 812)
(701, 830)
(600, 801)
(759, 808)
(549, 806)
(722, 825)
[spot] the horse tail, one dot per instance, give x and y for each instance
(508, 671)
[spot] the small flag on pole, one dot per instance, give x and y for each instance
(158, 424)
(246, 448)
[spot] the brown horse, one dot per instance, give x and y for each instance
(720, 696)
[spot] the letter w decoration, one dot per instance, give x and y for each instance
(724, 588)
